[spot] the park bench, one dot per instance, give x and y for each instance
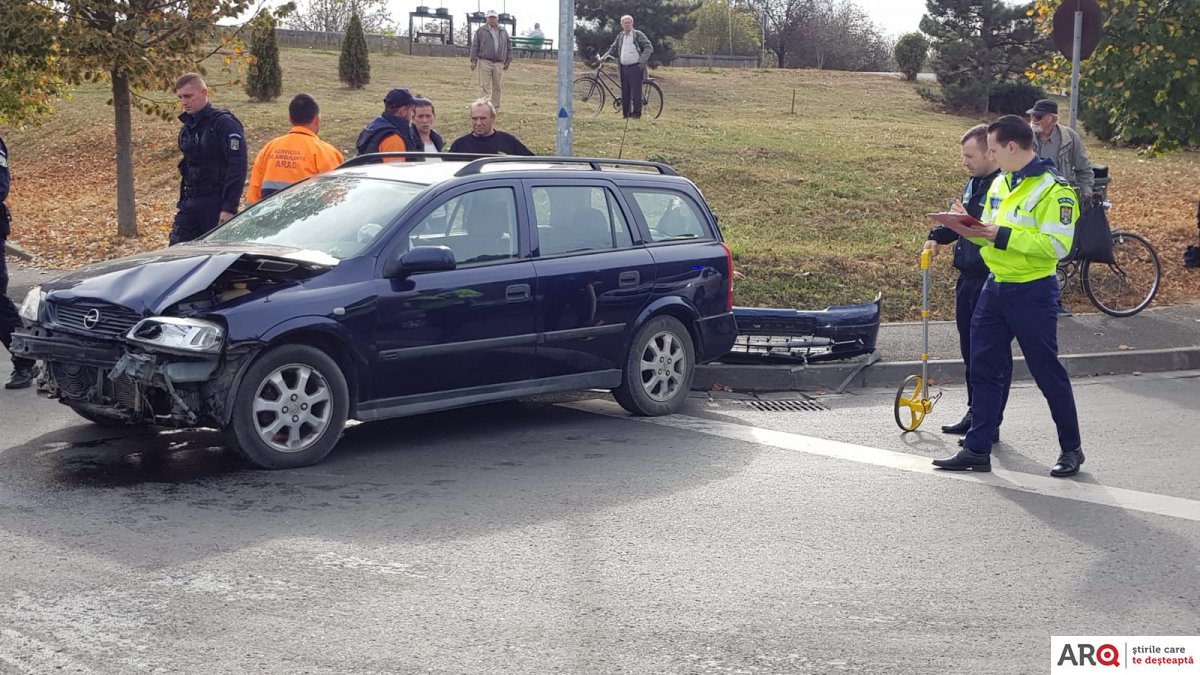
(530, 46)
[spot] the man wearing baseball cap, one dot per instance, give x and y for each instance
(1061, 144)
(392, 131)
(491, 52)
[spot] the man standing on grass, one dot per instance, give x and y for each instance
(10, 320)
(632, 50)
(293, 156)
(484, 138)
(213, 168)
(1029, 223)
(972, 271)
(491, 52)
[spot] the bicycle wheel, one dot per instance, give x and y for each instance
(652, 100)
(588, 96)
(1127, 286)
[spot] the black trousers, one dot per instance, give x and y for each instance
(10, 319)
(196, 216)
(631, 90)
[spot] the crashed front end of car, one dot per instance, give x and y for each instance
(142, 340)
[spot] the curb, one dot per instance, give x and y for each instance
(891, 373)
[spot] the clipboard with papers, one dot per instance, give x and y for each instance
(962, 223)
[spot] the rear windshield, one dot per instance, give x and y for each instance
(338, 215)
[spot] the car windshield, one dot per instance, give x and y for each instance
(337, 215)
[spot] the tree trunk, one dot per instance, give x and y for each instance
(126, 206)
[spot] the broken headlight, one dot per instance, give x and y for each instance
(178, 334)
(32, 305)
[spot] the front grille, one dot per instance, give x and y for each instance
(101, 319)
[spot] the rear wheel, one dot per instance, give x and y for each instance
(659, 369)
(652, 100)
(1126, 286)
(587, 96)
(290, 408)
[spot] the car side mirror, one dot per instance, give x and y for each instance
(420, 259)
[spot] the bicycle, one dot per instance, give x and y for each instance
(589, 93)
(1127, 285)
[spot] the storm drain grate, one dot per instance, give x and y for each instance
(786, 405)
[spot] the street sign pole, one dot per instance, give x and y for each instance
(1075, 66)
(566, 71)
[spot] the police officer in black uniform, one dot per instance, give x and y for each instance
(213, 167)
(22, 375)
(972, 271)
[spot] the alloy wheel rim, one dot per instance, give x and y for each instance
(663, 366)
(292, 408)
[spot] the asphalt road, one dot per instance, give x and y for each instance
(561, 536)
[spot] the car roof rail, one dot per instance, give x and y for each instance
(595, 163)
(379, 157)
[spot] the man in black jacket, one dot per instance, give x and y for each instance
(213, 168)
(22, 375)
(484, 138)
(972, 272)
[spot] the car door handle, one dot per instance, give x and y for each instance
(628, 279)
(517, 293)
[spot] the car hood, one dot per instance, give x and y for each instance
(149, 283)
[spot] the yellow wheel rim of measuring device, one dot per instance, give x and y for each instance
(911, 405)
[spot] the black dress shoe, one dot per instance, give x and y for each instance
(1068, 464)
(21, 378)
(962, 441)
(961, 427)
(966, 460)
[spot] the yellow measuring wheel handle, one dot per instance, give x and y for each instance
(925, 258)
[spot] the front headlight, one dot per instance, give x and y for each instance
(32, 304)
(173, 333)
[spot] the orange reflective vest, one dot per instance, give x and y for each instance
(287, 159)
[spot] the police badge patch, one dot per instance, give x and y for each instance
(235, 142)
(1064, 214)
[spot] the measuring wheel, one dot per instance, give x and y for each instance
(911, 403)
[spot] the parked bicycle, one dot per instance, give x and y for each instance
(1127, 285)
(590, 92)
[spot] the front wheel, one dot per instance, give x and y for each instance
(652, 100)
(658, 369)
(588, 96)
(1126, 286)
(290, 408)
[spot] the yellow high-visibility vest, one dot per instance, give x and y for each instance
(1040, 215)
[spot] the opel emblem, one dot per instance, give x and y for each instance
(91, 319)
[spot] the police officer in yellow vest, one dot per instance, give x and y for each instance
(1029, 215)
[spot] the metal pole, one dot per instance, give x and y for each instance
(566, 72)
(1075, 66)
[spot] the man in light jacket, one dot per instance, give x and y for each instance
(1061, 144)
(491, 51)
(632, 50)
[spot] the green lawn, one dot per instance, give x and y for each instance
(822, 206)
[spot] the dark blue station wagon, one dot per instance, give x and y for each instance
(387, 289)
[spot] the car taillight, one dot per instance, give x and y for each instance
(728, 278)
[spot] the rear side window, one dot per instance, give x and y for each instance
(578, 218)
(670, 215)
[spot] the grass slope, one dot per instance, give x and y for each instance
(821, 206)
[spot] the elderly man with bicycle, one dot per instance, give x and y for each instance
(1028, 224)
(632, 49)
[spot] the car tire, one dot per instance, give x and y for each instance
(658, 369)
(290, 408)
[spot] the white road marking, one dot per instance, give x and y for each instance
(1063, 488)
